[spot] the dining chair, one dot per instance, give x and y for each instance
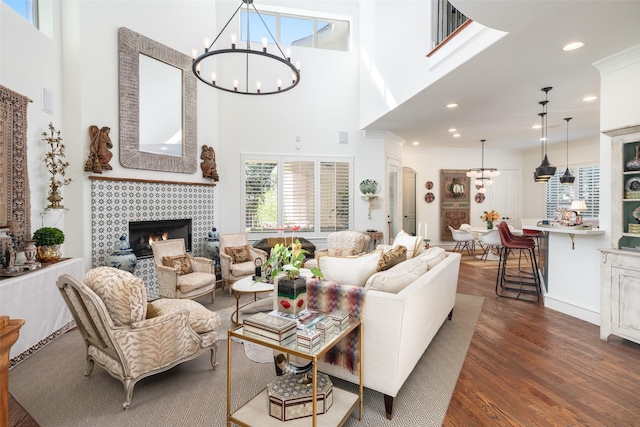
(464, 240)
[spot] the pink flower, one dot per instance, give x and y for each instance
(296, 228)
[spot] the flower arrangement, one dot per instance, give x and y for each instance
(288, 259)
(490, 216)
(54, 160)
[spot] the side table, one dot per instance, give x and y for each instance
(247, 286)
(376, 236)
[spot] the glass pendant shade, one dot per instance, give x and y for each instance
(482, 175)
(482, 190)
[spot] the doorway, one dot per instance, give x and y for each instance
(393, 197)
(409, 200)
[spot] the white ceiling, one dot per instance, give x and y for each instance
(498, 91)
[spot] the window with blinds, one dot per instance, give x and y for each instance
(311, 193)
(585, 187)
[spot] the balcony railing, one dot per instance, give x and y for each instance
(448, 20)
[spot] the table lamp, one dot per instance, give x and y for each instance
(578, 206)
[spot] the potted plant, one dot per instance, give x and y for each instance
(48, 241)
(285, 262)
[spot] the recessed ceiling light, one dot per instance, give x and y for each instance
(573, 46)
(415, 143)
(453, 130)
(536, 126)
(589, 98)
(452, 105)
(456, 135)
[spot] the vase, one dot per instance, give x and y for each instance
(291, 297)
(122, 256)
(369, 187)
(211, 246)
(48, 253)
(489, 225)
(30, 251)
(634, 164)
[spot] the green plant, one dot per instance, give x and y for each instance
(288, 259)
(48, 236)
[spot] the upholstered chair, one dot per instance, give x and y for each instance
(181, 275)
(237, 257)
(130, 338)
(342, 243)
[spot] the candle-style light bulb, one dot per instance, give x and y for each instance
(234, 39)
(207, 42)
(298, 65)
(258, 86)
(198, 68)
(235, 85)
(194, 53)
(293, 77)
(264, 44)
(279, 83)
(288, 52)
(213, 78)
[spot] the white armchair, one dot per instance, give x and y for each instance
(181, 275)
(237, 257)
(342, 243)
(130, 338)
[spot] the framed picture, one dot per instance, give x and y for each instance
(429, 197)
(454, 201)
(479, 198)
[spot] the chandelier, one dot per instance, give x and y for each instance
(246, 71)
(545, 171)
(567, 178)
(483, 176)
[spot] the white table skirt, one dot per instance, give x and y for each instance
(35, 298)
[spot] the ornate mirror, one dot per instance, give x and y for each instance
(157, 106)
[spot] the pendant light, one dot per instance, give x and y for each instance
(545, 171)
(567, 178)
(483, 176)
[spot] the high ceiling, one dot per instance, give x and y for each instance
(498, 90)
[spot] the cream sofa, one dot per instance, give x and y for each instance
(398, 327)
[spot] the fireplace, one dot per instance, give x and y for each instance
(142, 233)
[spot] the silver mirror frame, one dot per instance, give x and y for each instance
(130, 45)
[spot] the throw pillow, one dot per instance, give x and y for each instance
(182, 263)
(412, 243)
(340, 252)
(392, 257)
(351, 270)
(433, 256)
(239, 254)
(398, 277)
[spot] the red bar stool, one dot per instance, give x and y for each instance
(523, 284)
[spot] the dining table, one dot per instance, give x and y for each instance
(477, 231)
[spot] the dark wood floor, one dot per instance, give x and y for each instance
(529, 366)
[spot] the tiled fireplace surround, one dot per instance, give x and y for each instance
(115, 202)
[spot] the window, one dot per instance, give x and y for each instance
(28, 9)
(585, 187)
(296, 30)
(284, 192)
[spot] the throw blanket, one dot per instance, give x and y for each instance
(330, 296)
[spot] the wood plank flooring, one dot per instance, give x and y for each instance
(526, 366)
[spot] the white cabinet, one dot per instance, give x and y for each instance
(620, 267)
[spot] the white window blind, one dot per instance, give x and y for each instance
(585, 187)
(335, 196)
(284, 192)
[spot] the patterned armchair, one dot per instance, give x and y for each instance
(130, 338)
(180, 275)
(237, 257)
(343, 243)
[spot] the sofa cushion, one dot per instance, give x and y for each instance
(398, 277)
(351, 270)
(182, 263)
(392, 257)
(201, 319)
(412, 243)
(239, 253)
(433, 256)
(122, 293)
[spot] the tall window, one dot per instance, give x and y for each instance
(297, 30)
(284, 192)
(28, 9)
(586, 187)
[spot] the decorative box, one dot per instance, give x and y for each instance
(289, 400)
(326, 328)
(340, 318)
(292, 295)
(308, 338)
(634, 228)
(268, 326)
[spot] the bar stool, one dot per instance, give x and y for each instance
(524, 283)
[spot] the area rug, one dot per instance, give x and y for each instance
(15, 208)
(50, 385)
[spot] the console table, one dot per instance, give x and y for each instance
(35, 298)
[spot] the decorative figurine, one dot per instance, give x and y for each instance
(208, 164)
(99, 154)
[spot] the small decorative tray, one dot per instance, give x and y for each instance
(632, 194)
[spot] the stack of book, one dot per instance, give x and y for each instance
(268, 326)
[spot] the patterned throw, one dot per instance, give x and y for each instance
(329, 296)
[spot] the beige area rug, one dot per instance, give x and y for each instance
(50, 385)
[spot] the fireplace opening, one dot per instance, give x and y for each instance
(142, 233)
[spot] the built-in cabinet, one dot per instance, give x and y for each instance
(620, 267)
